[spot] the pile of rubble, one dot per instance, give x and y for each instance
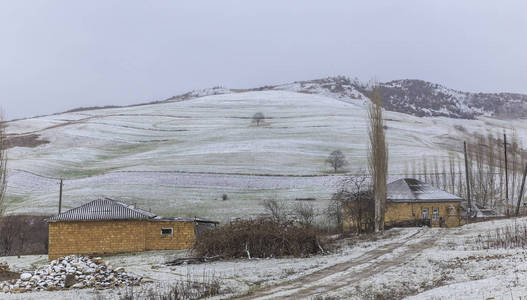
(71, 272)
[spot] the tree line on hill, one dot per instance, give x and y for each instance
(495, 166)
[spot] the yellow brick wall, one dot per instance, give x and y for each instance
(401, 212)
(183, 236)
(111, 237)
(398, 212)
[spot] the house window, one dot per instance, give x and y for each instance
(425, 213)
(435, 215)
(167, 231)
(451, 210)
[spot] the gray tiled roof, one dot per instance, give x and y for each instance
(413, 190)
(103, 209)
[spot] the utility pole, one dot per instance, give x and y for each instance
(469, 205)
(520, 196)
(506, 174)
(60, 196)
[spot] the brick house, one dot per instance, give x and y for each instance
(410, 202)
(106, 226)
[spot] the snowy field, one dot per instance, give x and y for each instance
(411, 263)
(185, 194)
(180, 157)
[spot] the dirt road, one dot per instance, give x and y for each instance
(347, 273)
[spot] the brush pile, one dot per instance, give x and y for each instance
(261, 238)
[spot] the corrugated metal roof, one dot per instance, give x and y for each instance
(103, 209)
(183, 219)
(413, 190)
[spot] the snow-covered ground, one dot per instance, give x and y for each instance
(411, 263)
(172, 157)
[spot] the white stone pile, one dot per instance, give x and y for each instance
(71, 272)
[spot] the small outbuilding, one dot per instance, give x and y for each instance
(106, 226)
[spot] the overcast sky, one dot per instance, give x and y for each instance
(58, 55)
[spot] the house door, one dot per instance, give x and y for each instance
(425, 213)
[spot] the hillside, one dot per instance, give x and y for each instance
(417, 97)
(179, 156)
(410, 96)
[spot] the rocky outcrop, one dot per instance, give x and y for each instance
(426, 99)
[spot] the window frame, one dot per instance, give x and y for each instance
(435, 213)
(424, 213)
(167, 228)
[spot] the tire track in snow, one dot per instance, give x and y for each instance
(339, 275)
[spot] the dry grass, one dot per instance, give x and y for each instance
(187, 289)
(507, 237)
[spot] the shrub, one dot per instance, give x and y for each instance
(259, 238)
(305, 213)
(276, 209)
(23, 235)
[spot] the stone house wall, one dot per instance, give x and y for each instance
(116, 236)
(183, 236)
(400, 212)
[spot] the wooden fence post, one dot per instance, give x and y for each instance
(520, 196)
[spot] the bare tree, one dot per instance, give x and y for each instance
(305, 213)
(378, 156)
(444, 178)
(487, 166)
(414, 169)
(419, 165)
(275, 208)
(337, 160)
(358, 205)
(3, 166)
(9, 231)
(436, 179)
(23, 234)
(460, 185)
(425, 168)
(335, 212)
(452, 172)
(480, 187)
(258, 118)
(513, 165)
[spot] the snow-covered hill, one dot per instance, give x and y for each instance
(415, 97)
(180, 155)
